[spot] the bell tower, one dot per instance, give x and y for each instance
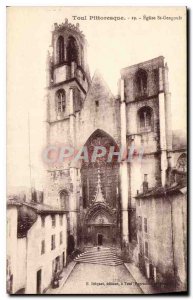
(68, 80)
(68, 58)
(66, 69)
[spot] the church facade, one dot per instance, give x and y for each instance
(100, 196)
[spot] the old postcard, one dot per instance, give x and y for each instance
(96, 150)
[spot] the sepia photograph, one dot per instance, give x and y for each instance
(96, 150)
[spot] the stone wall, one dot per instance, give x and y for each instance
(152, 68)
(36, 260)
(166, 252)
(16, 253)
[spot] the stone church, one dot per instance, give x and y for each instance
(100, 196)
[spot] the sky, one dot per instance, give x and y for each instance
(112, 45)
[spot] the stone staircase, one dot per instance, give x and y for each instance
(99, 255)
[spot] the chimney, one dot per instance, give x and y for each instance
(145, 184)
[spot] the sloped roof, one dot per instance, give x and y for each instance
(43, 208)
(98, 84)
(161, 191)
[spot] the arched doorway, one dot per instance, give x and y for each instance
(100, 225)
(100, 219)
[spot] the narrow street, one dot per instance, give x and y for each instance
(100, 279)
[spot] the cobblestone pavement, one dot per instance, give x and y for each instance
(99, 279)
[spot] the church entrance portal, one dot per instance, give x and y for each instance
(100, 195)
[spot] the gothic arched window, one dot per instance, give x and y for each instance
(64, 200)
(181, 164)
(145, 119)
(181, 170)
(61, 100)
(60, 46)
(72, 51)
(141, 83)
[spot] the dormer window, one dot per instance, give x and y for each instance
(61, 100)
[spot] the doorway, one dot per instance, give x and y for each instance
(63, 259)
(11, 284)
(71, 244)
(151, 271)
(38, 281)
(100, 239)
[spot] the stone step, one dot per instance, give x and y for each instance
(103, 256)
(100, 251)
(100, 262)
(101, 248)
(97, 258)
(97, 255)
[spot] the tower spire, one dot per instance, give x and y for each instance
(99, 195)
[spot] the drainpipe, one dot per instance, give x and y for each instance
(173, 255)
(123, 169)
